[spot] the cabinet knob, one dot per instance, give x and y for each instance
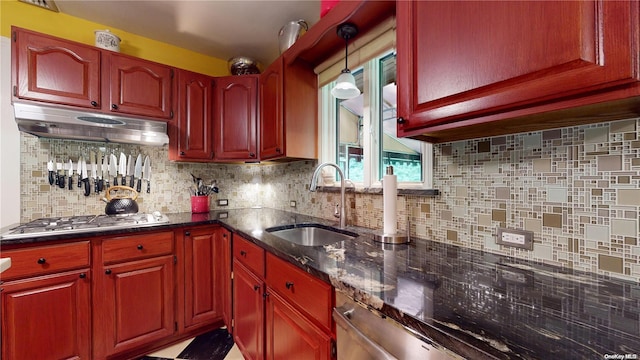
(289, 285)
(401, 120)
(187, 233)
(140, 247)
(243, 253)
(182, 153)
(114, 106)
(108, 271)
(42, 261)
(278, 150)
(94, 103)
(83, 275)
(252, 155)
(224, 235)
(256, 287)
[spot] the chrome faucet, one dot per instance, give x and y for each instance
(314, 185)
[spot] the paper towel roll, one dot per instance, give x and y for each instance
(389, 203)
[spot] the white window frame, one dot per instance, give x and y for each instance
(371, 126)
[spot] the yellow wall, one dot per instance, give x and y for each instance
(68, 27)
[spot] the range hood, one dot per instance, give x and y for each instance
(50, 122)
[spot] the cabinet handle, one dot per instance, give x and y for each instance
(187, 233)
(289, 285)
(243, 253)
(94, 103)
(401, 120)
(264, 295)
(140, 247)
(83, 275)
(114, 106)
(108, 271)
(256, 287)
(42, 261)
(252, 155)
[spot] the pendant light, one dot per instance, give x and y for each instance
(346, 84)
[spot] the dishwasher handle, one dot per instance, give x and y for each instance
(341, 316)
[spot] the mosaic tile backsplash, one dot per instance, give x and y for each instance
(577, 189)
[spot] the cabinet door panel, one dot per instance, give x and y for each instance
(223, 269)
(290, 335)
(248, 312)
(48, 317)
(140, 87)
(200, 270)
(56, 71)
(138, 303)
(195, 121)
(271, 116)
(458, 60)
(236, 108)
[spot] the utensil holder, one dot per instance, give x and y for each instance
(199, 204)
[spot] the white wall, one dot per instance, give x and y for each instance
(9, 143)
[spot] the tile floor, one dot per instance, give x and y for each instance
(214, 345)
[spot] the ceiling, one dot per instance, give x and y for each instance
(218, 28)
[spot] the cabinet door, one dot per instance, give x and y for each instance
(194, 135)
(140, 87)
(56, 71)
(235, 118)
(464, 59)
(271, 116)
(290, 335)
(223, 254)
(135, 304)
(47, 317)
(248, 312)
(201, 262)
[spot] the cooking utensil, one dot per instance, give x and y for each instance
(113, 168)
(105, 171)
(59, 174)
(123, 202)
(290, 32)
(99, 167)
(85, 179)
(147, 172)
(94, 169)
(242, 65)
(137, 173)
(122, 169)
(79, 171)
(51, 170)
(70, 174)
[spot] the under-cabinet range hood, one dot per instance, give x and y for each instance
(50, 122)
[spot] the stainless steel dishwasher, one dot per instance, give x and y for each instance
(361, 335)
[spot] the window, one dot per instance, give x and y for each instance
(360, 134)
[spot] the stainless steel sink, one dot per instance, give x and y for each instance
(311, 234)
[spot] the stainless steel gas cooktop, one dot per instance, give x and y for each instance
(81, 224)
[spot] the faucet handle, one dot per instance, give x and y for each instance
(336, 212)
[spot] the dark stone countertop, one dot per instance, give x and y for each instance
(478, 305)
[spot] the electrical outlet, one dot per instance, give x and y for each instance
(292, 203)
(223, 202)
(516, 238)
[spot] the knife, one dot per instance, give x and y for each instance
(85, 179)
(100, 169)
(113, 168)
(94, 170)
(70, 174)
(130, 166)
(50, 168)
(58, 166)
(105, 170)
(79, 171)
(147, 172)
(137, 173)
(122, 169)
(61, 177)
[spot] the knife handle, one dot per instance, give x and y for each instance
(79, 181)
(115, 181)
(100, 185)
(148, 186)
(97, 185)
(70, 182)
(139, 186)
(57, 179)
(87, 187)
(52, 179)
(61, 182)
(131, 181)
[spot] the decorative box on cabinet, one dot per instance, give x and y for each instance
(472, 69)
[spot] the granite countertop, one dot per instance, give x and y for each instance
(478, 305)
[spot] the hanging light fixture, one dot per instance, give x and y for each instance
(346, 84)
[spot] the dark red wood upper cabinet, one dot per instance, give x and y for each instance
(235, 119)
(55, 71)
(140, 87)
(461, 60)
(192, 138)
(271, 116)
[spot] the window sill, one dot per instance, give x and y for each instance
(378, 191)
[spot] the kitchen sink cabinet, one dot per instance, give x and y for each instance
(55, 71)
(288, 111)
(471, 68)
(191, 136)
(134, 292)
(235, 119)
(248, 312)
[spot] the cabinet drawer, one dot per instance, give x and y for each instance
(310, 295)
(127, 248)
(46, 259)
(249, 254)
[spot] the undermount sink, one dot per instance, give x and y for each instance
(311, 234)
